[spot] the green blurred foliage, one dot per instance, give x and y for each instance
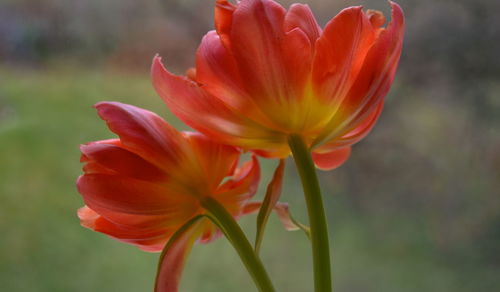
(416, 208)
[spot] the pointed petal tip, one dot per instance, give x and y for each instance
(396, 12)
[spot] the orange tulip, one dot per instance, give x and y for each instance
(266, 73)
(142, 187)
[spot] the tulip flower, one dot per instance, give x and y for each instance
(272, 81)
(266, 74)
(154, 184)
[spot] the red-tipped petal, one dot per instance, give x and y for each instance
(379, 67)
(216, 160)
(127, 195)
(150, 235)
(353, 134)
(255, 43)
(219, 75)
(340, 52)
(301, 33)
(373, 80)
(223, 20)
(144, 133)
(332, 159)
(174, 256)
(207, 114)
(122, 161)
(300, 16)
(235, 192)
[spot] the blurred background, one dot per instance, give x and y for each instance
(416, 208)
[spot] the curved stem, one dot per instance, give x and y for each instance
(317, 217)
(240, 243)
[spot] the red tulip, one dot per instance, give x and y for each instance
(266, 73)
(142, 187)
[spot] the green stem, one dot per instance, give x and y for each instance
(317, 217)
(240, 243)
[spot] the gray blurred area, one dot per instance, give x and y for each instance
(416, 207)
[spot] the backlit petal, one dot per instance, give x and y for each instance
(340, 52)
(207, 114)
(174, 256)
(122, 161)
(373, 80)
(300, 16)
(127, 195)
(332, 159)
(144, 133)
(223, 20)
(216, 160)
(241, 187)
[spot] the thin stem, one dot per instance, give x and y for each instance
(240, 243)
(317, 217)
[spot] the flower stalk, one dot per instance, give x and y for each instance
(240, 243)
(317, 217)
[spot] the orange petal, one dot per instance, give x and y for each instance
(359, 130)
(379, 67)
(174, 256)
(223, 20)
(332, 159)
(122, 161)
(301, 33)
(207, 114)
(373, 80)
(219, 75)
(257, 67)
(300, 16)
(340, 52)
(257, 28)
(216, 160)
(241, 187)
(150, 238)
(127, 195)
(144, 133)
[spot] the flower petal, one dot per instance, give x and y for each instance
(372, 81)
(223, 20)
(379, 68)
(207, 114)
(340, 52)
(151, 235)
(332, 159)
(144, 133)
(121, 161)
(300, 16)
(174, 256)
(235, 192)
(259, 60)
(216, 160)
(354, 133)
(127, 195)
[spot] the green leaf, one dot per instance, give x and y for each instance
(273, 194)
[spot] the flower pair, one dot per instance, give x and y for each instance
(264, 75)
